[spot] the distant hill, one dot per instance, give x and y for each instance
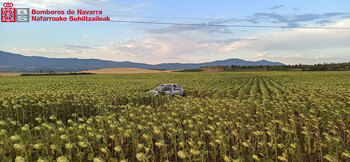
(228, 62)
(10, 62)
(124, 71)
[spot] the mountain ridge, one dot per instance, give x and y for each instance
(11, 62)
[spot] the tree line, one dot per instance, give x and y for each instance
(297, 67)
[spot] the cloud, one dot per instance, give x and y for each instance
(311, 17)
(323, 22)
(301, 59)
(275, 7)
(172, 47)
(199, 27)
(34, 51)
(75, 49)
(298, 39)
(267, 55)
(62, 51)
(291, 20)
(287, 46)
(323, 56)
(163, 48)
(262, 54)
(184, 28)
(221, 41)
(294, 20)
(156, 49)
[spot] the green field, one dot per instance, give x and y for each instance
(245, 116)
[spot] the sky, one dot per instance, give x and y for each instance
(169, 43)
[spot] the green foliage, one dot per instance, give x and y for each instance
(190, 70)
(245, 116)
(300, 67)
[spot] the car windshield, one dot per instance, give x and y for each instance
(167, 88)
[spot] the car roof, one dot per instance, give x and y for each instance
(165, 84)
(169, 84)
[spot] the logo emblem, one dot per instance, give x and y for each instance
(8, 13)
(22, 14)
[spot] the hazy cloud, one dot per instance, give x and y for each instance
(293, 20)
(299, 58)
(181, 28)
(262, 54)
(287, 46)
(77, 49)
(298, 39)
(275, 7)
(154, 49)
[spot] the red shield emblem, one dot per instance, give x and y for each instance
(8, 13)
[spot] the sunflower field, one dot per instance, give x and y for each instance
(225, 116)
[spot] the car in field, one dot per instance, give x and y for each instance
(170, 89)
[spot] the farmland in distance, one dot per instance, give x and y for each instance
(225, 116)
